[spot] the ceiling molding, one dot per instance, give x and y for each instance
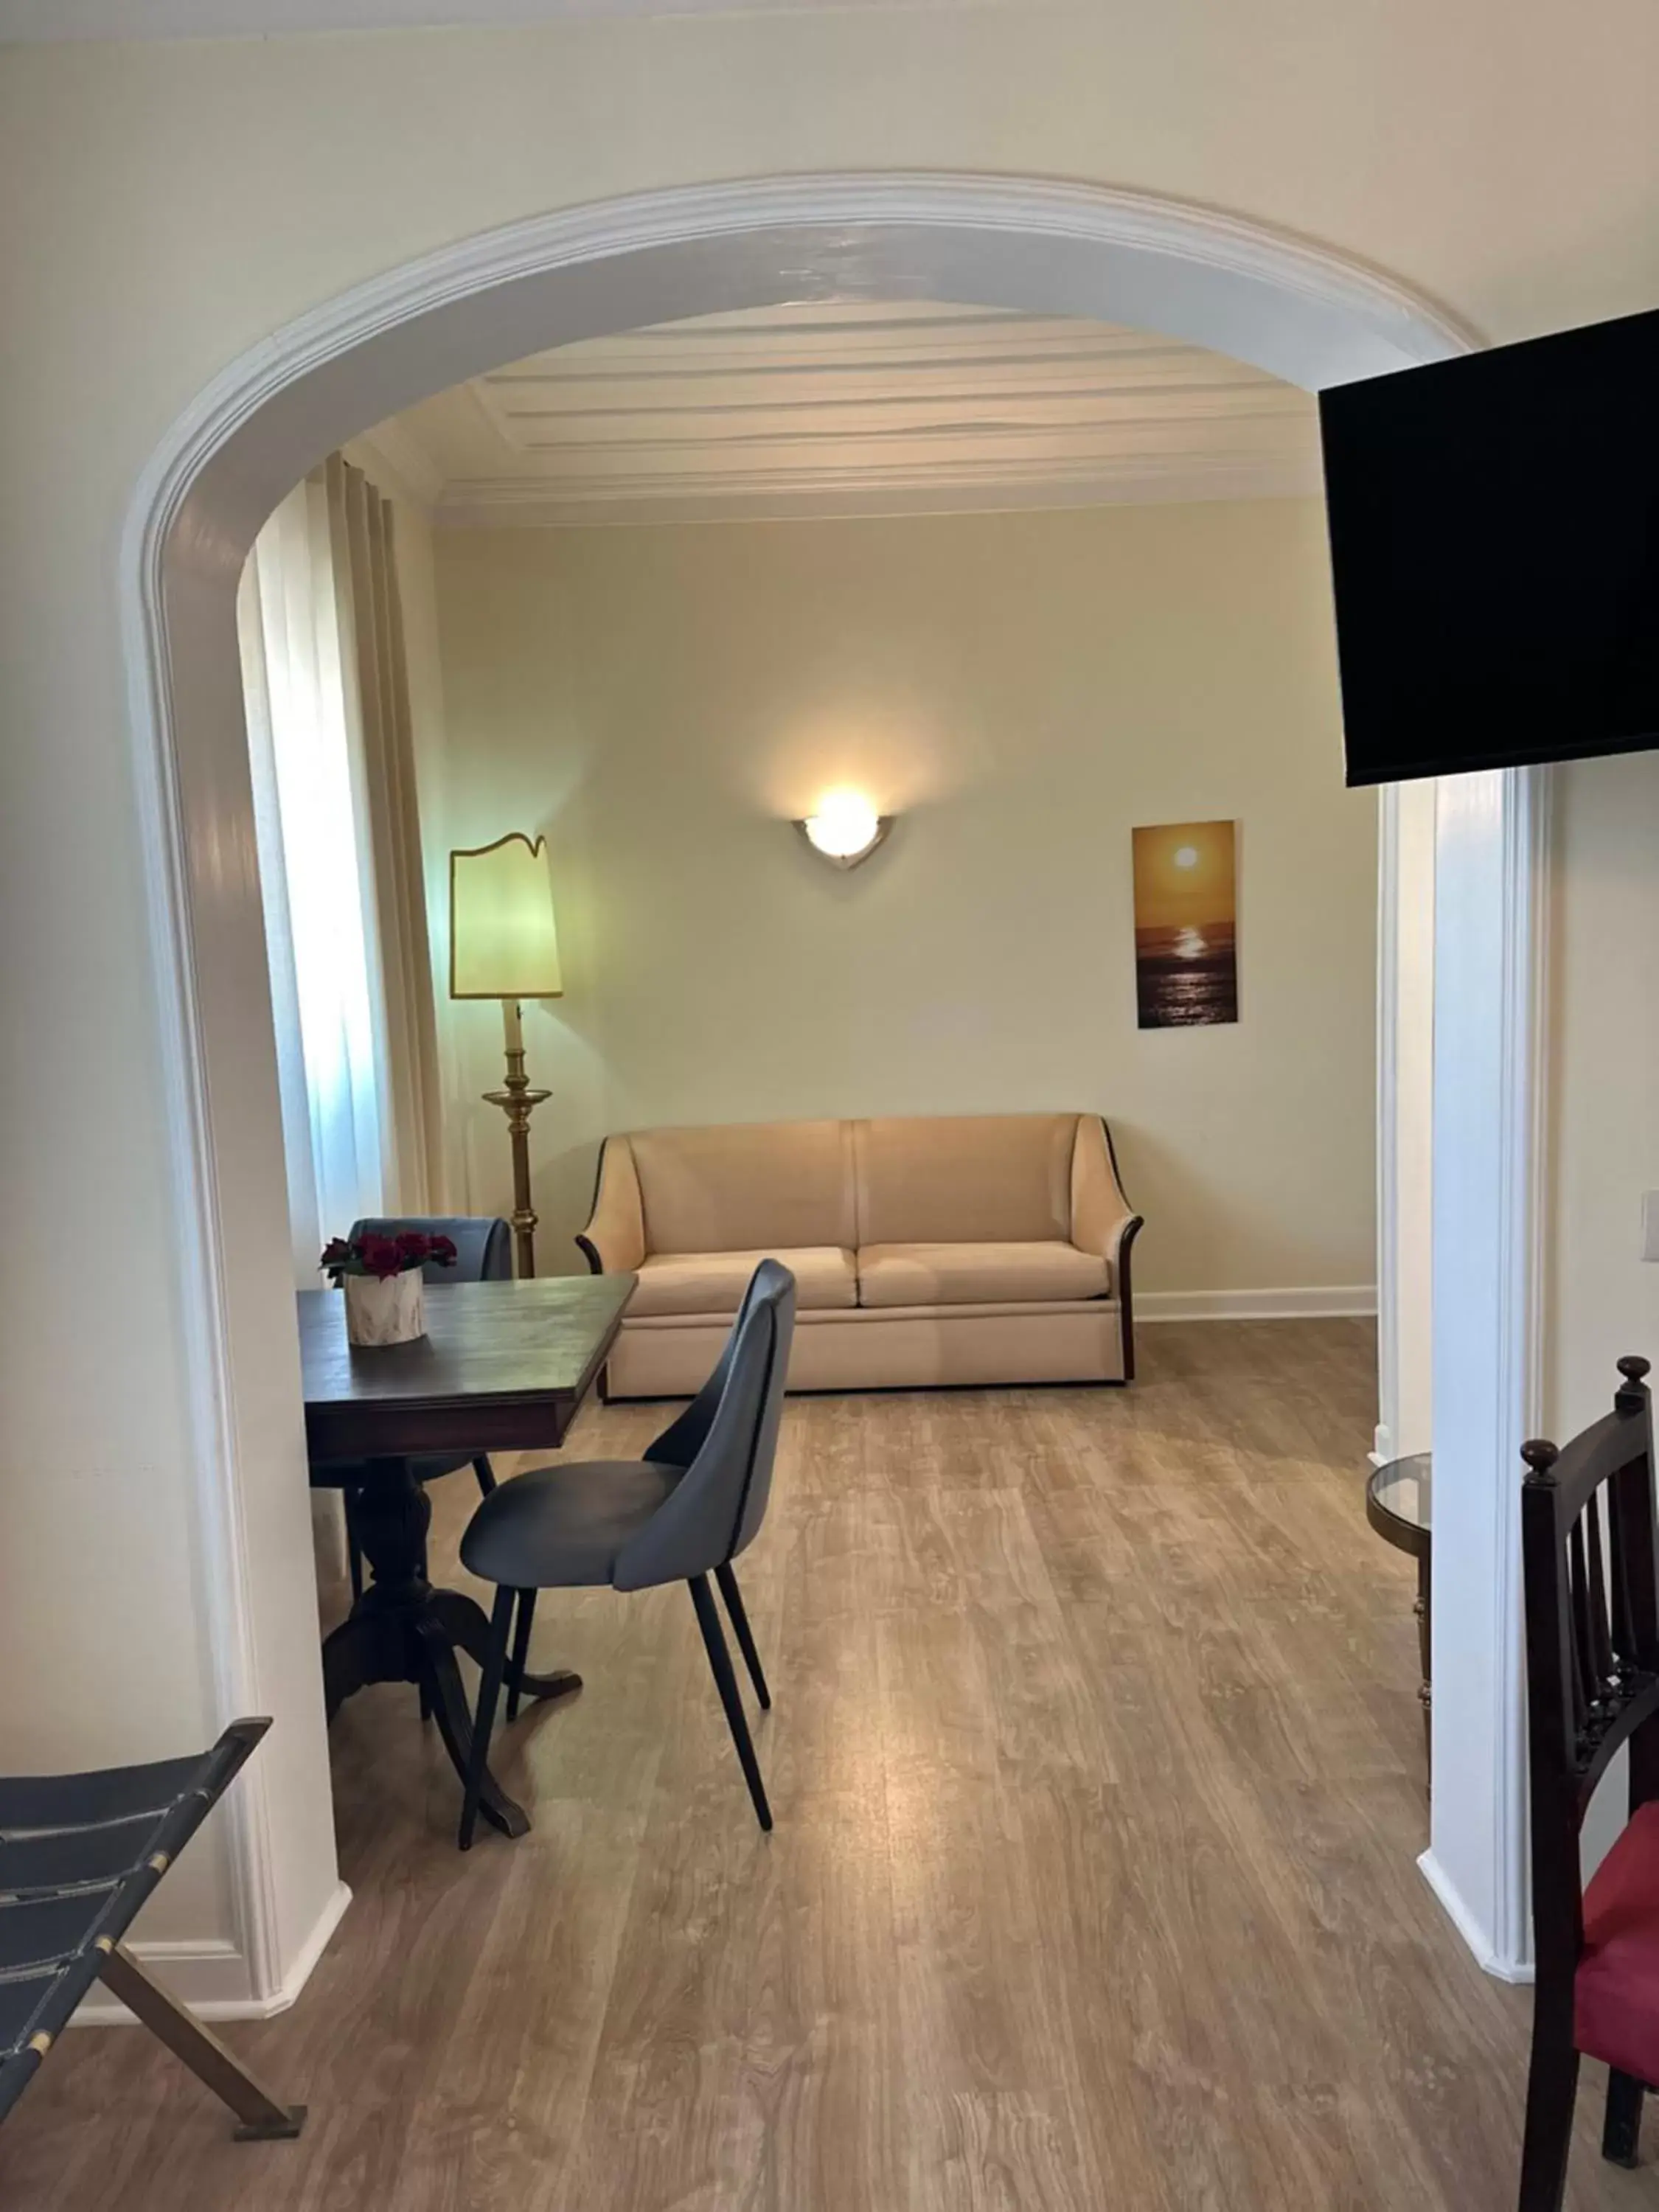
(845, 408)
(399, 466)
(464, 508)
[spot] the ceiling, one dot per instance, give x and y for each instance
(850, 410)
(39, 22)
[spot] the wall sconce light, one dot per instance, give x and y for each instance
(846, 828)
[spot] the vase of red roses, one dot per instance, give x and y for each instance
(384, 1288)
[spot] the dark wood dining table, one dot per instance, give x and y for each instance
(502, 1367)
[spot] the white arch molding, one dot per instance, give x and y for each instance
(1305, 314)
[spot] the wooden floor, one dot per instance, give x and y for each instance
(1099, 1782)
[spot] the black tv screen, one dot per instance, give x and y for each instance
(1494, 526)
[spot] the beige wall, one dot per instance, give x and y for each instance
(169, 205)
(1602, 1298)
(1019, 690)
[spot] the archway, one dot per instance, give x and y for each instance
(1280, 303)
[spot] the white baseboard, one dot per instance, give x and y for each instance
(212, 1977)
(1501, 1970)
(1323, 1301)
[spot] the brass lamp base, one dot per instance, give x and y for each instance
(517, 1100)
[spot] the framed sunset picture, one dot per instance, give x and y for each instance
(1186, 915)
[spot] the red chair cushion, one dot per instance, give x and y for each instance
(1616, 1994)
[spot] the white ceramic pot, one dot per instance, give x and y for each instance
(392, 1311)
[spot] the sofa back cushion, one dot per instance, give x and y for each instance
(760, 1186)
(968, 1178)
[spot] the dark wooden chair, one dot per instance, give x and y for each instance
(79, 1855)
(1592, 1604)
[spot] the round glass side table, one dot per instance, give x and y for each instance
(1398, 1501)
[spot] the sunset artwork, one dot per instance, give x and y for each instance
(1186, 964)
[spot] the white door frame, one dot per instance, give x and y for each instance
(1491, 982)
(1307, 315)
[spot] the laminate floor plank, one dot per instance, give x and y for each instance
(1097, 1768)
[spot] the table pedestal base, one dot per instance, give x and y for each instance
(1399, 1499)
(1425, 1650)
(403, 1630)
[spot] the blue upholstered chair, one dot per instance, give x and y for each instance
(681, 1513)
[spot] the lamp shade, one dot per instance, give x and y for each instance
(502, 940)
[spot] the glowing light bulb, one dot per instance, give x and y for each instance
(845, 827)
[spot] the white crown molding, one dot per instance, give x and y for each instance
(476, 395)
(509, 506)
(1357, 303)
(393, 459)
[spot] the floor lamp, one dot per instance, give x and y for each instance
(503, 945)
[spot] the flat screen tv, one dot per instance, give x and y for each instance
(1494, 526)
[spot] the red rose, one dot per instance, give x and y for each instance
(414, 1247)
(336, 1253)
(381, 1257)
(442, 1249)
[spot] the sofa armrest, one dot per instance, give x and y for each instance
(1115, 1250)
(614, 1239)
(1103, 1220)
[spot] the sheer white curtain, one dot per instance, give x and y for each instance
(379, 718)
(338, 842)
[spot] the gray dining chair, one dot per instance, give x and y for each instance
(484, 1254)
(681, 1513)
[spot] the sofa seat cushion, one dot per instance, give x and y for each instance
(714, 1282)
(978, 1275)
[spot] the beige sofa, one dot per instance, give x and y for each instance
(952, 1249)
